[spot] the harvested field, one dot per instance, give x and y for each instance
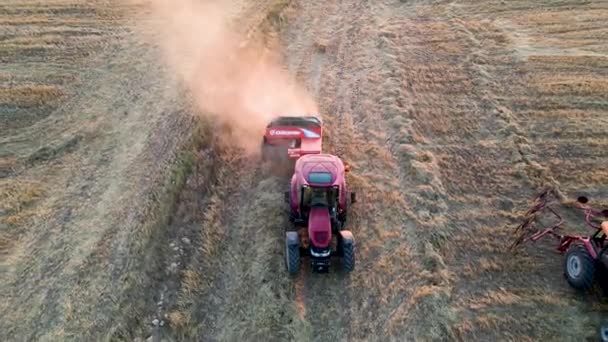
(128, 212)
(91, 130)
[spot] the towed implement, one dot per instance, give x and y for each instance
(288, 138)
(584, 254)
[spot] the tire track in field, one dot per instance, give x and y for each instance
(400, 97)
(249, 294)
(235, 287)
(337, 49)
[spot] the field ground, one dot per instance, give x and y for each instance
(454, 114)
(90, 135)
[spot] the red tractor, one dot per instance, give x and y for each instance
(292, 137)
(318, 201)
(584, 254)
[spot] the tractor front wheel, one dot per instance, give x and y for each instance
(292, 252)
(579, 268)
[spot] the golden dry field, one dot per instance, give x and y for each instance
(129, 212)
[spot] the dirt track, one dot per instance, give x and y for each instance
(453, 115)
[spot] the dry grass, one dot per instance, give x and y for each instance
(553, 93)
(16, 196)
(452, 114)
(191, 282)
(446, 104)
(5, 244)
(30, 95)
(571, 85)
(91, 173)
(16, 201)
(177, 320)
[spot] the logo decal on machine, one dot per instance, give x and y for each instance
(283, 132)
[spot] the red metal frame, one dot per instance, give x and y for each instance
(542, 203)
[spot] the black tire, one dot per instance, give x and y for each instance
(292, 252)
(604, 333)
(579, 268)
(347, 247)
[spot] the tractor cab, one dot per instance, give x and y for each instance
(318, 197)
(318, 182)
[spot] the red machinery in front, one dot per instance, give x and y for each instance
(318, 197)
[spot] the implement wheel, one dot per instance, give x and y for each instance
(579, 268)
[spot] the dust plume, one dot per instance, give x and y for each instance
(239, 83)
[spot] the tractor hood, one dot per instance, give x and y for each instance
(319, 227)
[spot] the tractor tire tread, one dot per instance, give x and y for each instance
(348, 255)
(293, 257)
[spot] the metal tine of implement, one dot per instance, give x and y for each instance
(528, 226)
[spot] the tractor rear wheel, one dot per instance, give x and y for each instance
(347, 246)
(292, 252)
(579, 268)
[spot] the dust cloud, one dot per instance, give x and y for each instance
(237, 82)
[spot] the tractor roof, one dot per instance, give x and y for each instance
(320, 170)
